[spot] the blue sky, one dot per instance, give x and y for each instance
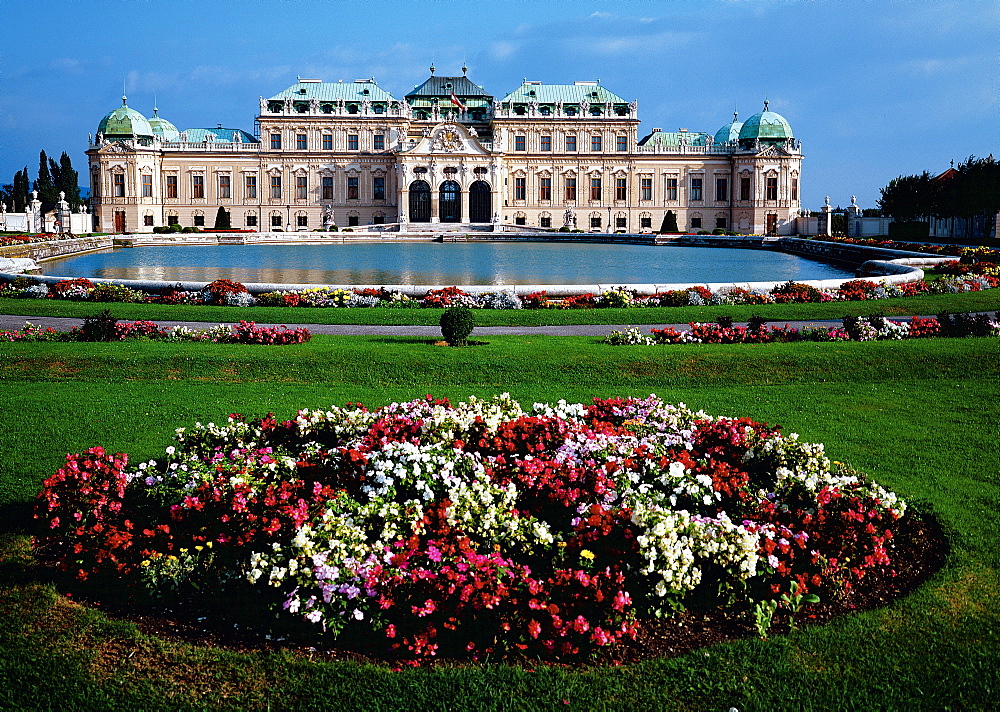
(873, 89)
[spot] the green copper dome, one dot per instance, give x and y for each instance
(766, 126)
(124, 121)
(729, 132)
(163, 128)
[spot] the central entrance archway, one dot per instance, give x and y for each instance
(420, 201)
(450, 202)
(480, 202)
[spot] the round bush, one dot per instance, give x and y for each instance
(456, 325)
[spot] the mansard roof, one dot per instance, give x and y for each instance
(218, 135)
(462, 87)
(306, 89)
(675, 138)
(592, 92)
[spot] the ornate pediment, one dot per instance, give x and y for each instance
(117, 147)
(773, 152)
(449, 139)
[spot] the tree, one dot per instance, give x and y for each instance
(46, 188)
(222, 219)
(973, 189)
(22, 186)
(69, 182)
(669, 223)
(909, 197)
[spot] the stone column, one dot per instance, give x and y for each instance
(33, 215)
(827, 218)
(65, 216)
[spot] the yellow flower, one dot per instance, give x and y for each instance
(561, 544)
(587, 554)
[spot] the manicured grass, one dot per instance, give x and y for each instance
(928, 304)
(920, 416)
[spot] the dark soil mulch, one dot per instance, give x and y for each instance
(920, 551)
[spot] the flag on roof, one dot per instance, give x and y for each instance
(457, 102)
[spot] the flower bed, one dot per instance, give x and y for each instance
(6, 240)
(967, 253)
(228, 293)
(96, 329)
(871, 328)
(478, 528)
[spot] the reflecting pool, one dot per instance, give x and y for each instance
(482, 263)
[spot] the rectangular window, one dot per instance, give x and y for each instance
(352, 187)
(327, 142)
(570, 144)
(378, 188)
(327, 187)
(696, 189)
(519, 188)
(147, 220)
(722, 189)
(276, 187)
(571, 189)
(595, 222)
(171, 186)
(646, 188)
(720, 223)
(621, 222)
(795, 189)
(621, 143)
(197, 186)
(301, 187)
(224, 187)
(352, 142)
(302, 220)
(251, 221)
(275, 221)
(645, 223)
(276, 142)
(545, 189)
(147, 186)
(671, 189)
(379, 142)
(352, 220)
(519, 143)
(745, 188)
(300, 142)
(119, 184)
(595, 188)
(171, 220)
(378, 219)
(546, 143)
(544, 222)
(695, 222)
(520, 220)
(595, 144)
(621, 189)
(199, 221)
(772, 189)
(250, 187)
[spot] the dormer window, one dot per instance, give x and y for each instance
(366, 92)
(302, 91)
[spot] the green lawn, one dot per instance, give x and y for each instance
(920, 416)
(988, 300)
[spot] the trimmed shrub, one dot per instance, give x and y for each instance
(456, 325)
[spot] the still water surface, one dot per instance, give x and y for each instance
(481, 263)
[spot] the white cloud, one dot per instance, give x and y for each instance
(636, 44)
(601, 15)
(502, 50)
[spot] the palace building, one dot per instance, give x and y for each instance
(350, 154)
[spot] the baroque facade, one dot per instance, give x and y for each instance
(348, 153)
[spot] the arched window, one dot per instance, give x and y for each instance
(450, 202)
(480, 201)
(420, 201)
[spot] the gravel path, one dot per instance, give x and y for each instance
(14, 322)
